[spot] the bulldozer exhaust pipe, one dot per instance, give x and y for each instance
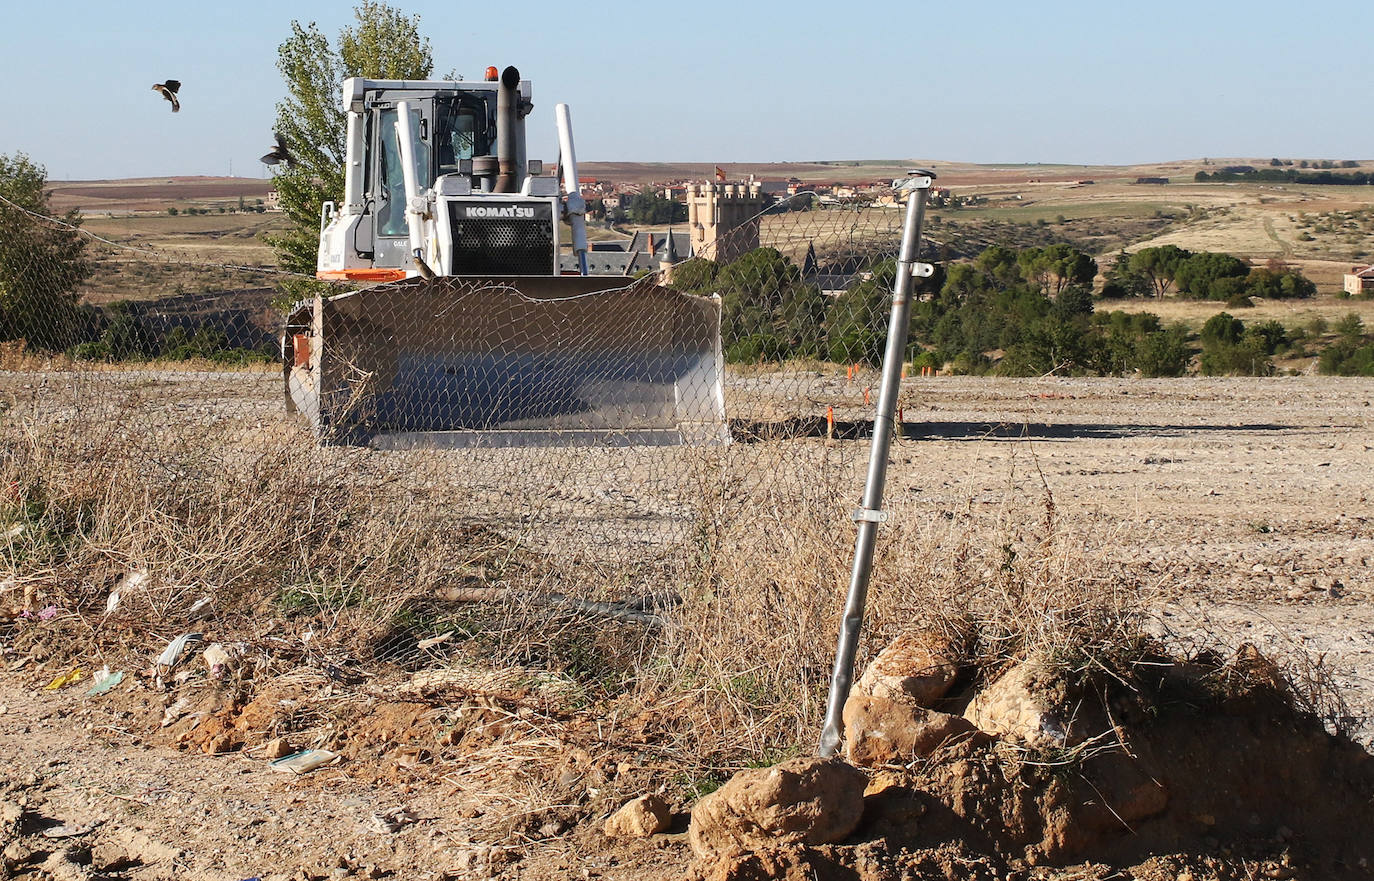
(507, 105)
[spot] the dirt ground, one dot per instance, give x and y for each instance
(1245, 503)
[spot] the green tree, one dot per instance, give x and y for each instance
(1202, 275)
(384, 43)
(1158, 266)
(1279, 282)
(754, 289)
(1057, 266)
(856, 323)
(651, 208)
(697, 275)
(42, 264)
(1120, 282)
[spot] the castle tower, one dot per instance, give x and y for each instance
(723, 219)
(670, 259)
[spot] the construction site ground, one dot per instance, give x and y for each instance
(1244, 503)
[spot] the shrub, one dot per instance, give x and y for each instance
(1347, 358)
(1222, 328)
(1350, 325)
(1246, 358)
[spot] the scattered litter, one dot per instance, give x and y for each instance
(217, 659)
(172, 653)
(304, 761)
(13, 532)
(48, 613)
(67, 831)
(391, 820)
(175, 711)
(201, 608)
(62, 680)
(105, 681)
(434, 640)
(112, 601)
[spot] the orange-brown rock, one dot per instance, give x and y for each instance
(881, 730)
(801, 801)
(920, 665)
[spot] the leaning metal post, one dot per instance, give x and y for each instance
(870, 514)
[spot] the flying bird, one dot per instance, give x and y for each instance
(169, 91)
(279, 152)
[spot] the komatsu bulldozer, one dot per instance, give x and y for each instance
(472, 323)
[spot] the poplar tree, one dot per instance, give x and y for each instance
(383, 43)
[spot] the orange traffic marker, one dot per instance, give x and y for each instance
(830, 422)
(865, 397)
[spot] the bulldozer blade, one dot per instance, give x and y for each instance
(525, 361)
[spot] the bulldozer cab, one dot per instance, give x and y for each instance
(454, 124)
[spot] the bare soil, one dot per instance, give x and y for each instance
(1242, 504)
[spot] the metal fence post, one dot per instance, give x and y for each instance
(870, 513)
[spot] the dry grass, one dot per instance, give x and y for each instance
(321, 540)
(1291, 313)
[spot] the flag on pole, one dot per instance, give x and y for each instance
(720, 174)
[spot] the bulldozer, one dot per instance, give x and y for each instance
(468, 322)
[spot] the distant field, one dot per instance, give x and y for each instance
(1323, 229)
(1292, 313)
(155, 194)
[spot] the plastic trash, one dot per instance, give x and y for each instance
(217, 659)
(201, 608)
(67, 830)
(105, 681)
(175, 711)
(135, 580)
(62, 680)
(433, 641)
(304, 761)
(172, 654)
(48, 613)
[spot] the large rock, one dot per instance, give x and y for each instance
(1022, 705)
(881, 730)
(639, 818)
(920, 665)
(801, 801)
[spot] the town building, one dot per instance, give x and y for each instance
(1360, 281)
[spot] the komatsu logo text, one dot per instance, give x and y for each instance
(515, 212)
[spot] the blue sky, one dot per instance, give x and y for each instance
(974, 81)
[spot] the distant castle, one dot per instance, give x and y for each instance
(723, 219)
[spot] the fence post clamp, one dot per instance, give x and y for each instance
(862, 515)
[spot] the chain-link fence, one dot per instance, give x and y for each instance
(480, 454)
